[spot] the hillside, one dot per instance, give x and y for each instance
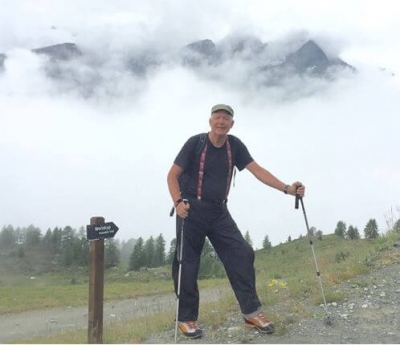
(286, 282)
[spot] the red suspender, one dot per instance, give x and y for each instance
(201, 172)
(229, 153)
(201, 169)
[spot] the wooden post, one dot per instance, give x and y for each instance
(96, 287)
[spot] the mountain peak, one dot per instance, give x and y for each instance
(308, 58)
(198, 51)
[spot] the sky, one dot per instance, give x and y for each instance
(67, 158)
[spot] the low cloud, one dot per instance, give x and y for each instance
(92, 137)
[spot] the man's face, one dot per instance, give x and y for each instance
(221, 122)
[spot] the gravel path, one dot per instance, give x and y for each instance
(369, 314)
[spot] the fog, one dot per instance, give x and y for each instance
(100, 140)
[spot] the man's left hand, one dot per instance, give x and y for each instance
(297, 188)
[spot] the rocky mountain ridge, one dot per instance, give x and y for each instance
(238, 62)
(309, 58)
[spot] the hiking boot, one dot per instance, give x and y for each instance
(261, 323)
(190, 329)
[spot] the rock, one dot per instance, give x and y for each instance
(57, 52)
(2, 59)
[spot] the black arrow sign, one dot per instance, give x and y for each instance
(99, 232)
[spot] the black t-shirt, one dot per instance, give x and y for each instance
(216, 166)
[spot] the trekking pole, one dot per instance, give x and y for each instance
(328, 318)
(178, 292)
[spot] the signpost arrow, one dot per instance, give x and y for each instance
(99, 232)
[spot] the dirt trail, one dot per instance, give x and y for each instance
(51, 321)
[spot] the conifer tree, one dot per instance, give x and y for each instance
(149, 251)
(340, 229)
(111, 254)
(248, 238)
(353, 233)
(159, 255)
(7, 237)
(171, 252)
(47, 239)
(137, 258)
(371, 229)
(266, 243)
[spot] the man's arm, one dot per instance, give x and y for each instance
(267, 178)
(173, 186)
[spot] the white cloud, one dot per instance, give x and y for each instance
(67, 158)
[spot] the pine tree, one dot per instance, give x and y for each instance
(266, 243)
(341, 229)
(7, 237)
(159, 255)
(371, 229)
(56, 240)
(210, 265)
(247, 238)
(171, 252)
(82, 248)
(313, 230)
(111, 254)
(207, 248)
(32, 236)
(47, 239)
(149, 250)
(137, 258)
(67, 246)
(353, 233)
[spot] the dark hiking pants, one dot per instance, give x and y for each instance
(215, 222)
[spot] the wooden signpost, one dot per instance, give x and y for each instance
(96, 232)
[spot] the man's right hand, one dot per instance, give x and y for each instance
(182, 209)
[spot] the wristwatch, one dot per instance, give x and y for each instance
(285, 190)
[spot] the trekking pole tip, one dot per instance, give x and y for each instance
(328, 320)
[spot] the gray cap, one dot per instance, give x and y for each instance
(222, 107)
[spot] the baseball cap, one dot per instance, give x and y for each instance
(222, 107)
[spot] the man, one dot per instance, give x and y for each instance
(199, 182)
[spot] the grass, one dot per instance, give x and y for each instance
(286, 277)
(53, 290)
(293, 264)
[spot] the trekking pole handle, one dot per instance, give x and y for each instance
(171, 213)
(296, 202)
